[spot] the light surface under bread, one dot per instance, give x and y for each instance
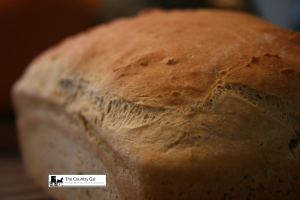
(188, 104)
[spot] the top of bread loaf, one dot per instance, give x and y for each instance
(199, 89)
(176, 59)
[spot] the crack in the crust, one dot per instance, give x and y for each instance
(294, 143)
(117, 112)
(127, 114)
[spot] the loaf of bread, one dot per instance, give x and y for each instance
(181, 104)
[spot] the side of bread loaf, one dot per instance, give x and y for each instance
(194, 104)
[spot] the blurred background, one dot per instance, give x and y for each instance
(28, 27)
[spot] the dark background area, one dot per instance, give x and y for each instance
(28, 27)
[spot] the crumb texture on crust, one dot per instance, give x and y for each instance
(211, 96)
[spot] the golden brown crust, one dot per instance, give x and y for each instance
(127, 55)
(192, 104)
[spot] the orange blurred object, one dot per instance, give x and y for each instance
(28, 27)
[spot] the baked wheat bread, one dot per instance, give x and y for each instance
(182, 104)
